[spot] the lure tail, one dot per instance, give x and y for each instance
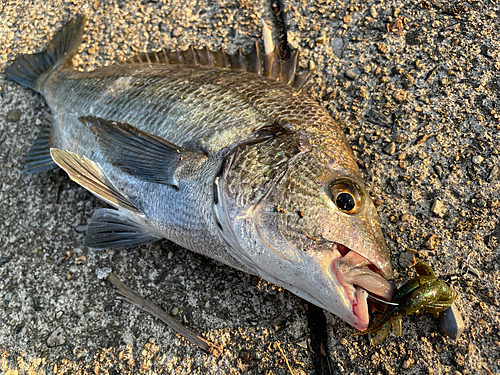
(27, 69)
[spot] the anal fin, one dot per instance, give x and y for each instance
(91, 176)
(38, 158)
(113, 229)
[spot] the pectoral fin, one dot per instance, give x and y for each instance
(91, 176)
(143, 155)
(112, 228)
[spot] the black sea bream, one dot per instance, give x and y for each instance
(221, 154)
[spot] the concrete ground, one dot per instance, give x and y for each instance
(418, 85)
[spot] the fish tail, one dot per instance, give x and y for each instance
(27, 69)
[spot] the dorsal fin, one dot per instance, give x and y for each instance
(269, 65)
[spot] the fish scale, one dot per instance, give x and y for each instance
(185, 118)
(224, 155)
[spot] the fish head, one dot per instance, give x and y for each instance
(313, 229)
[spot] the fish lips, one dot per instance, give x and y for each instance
(340, 283)
(360, 277)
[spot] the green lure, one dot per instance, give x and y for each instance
(423, 291)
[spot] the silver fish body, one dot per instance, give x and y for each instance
(234, 165)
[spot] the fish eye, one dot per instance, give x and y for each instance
(347, 196)
(345, 201)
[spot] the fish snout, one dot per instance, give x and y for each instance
(360, 277)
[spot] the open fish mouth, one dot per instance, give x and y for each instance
(360, 277)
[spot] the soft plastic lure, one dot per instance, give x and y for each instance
(424, 291)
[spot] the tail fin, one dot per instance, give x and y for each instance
(26, 69)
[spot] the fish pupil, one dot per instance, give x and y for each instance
(345, 202)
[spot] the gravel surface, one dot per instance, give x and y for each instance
(417, 84)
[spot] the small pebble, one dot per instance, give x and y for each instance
(177, 32)
(439, 170)
(390, 149)
(399, 95)
(477, 159)
(494, 203)
(413, 38)
(445, 81)
(494, 174)
(278, 322)
(7, 297)
(382, 48)
(378, 118)
(93, 50)
(352, 73)
(439, 208)
(56, 338)
(302, 344)
(14, 115)
(451, 322)
(482, 322)
(338, 46)
(423, 254)
(432, 242)
(407, 81)
(5, 260)
(81, 260)
(174, 311)
(409, 362)
(59, 314)
(373, 11)
(103, 273)
(406, 259)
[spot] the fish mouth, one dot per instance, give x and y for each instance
(360, 277)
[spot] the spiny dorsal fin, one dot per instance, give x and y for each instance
(301, 79)
(91, 176)
(143, 155)
(289, 68)
(112, 228)
(38, 158)
(269, 65)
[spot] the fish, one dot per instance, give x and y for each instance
(223, 154)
